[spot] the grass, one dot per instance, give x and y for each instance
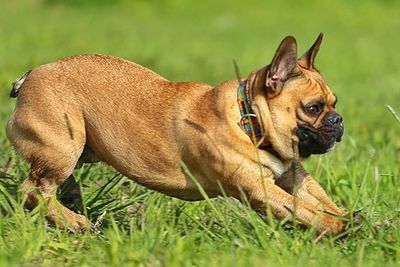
(197, 41)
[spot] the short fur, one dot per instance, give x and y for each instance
(93, 107)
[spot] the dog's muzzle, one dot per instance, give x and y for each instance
(320, 140)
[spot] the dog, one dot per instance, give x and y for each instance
(242, 138)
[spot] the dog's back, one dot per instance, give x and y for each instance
(74, 97)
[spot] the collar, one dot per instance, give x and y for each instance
(248, 121)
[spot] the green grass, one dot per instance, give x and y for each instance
(185, 40)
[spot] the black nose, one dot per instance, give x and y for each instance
(333, 118)
(336, 122)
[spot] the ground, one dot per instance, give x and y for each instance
(184, 40)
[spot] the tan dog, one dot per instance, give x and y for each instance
(91, 107)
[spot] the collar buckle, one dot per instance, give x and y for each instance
(249, 122)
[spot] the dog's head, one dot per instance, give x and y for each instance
(299, 104)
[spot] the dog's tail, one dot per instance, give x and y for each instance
(17, 84)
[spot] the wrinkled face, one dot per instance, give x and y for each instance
(300, 104)
(319, 127)
(304, 111)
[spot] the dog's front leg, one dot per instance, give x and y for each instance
(314, 189)
(287, 206)
(296, 181)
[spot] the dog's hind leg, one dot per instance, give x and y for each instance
(52, 143)
(43, 181)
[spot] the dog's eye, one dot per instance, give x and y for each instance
(314, 109)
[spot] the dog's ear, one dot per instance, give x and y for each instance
(283, 65)
(271, 78)
(307, 60)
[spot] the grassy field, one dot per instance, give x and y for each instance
(185, 40)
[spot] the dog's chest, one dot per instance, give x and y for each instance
(278, 168)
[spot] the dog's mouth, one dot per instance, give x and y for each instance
(318, 140)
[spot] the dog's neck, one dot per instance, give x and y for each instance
(249, 121)
(257, 100)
